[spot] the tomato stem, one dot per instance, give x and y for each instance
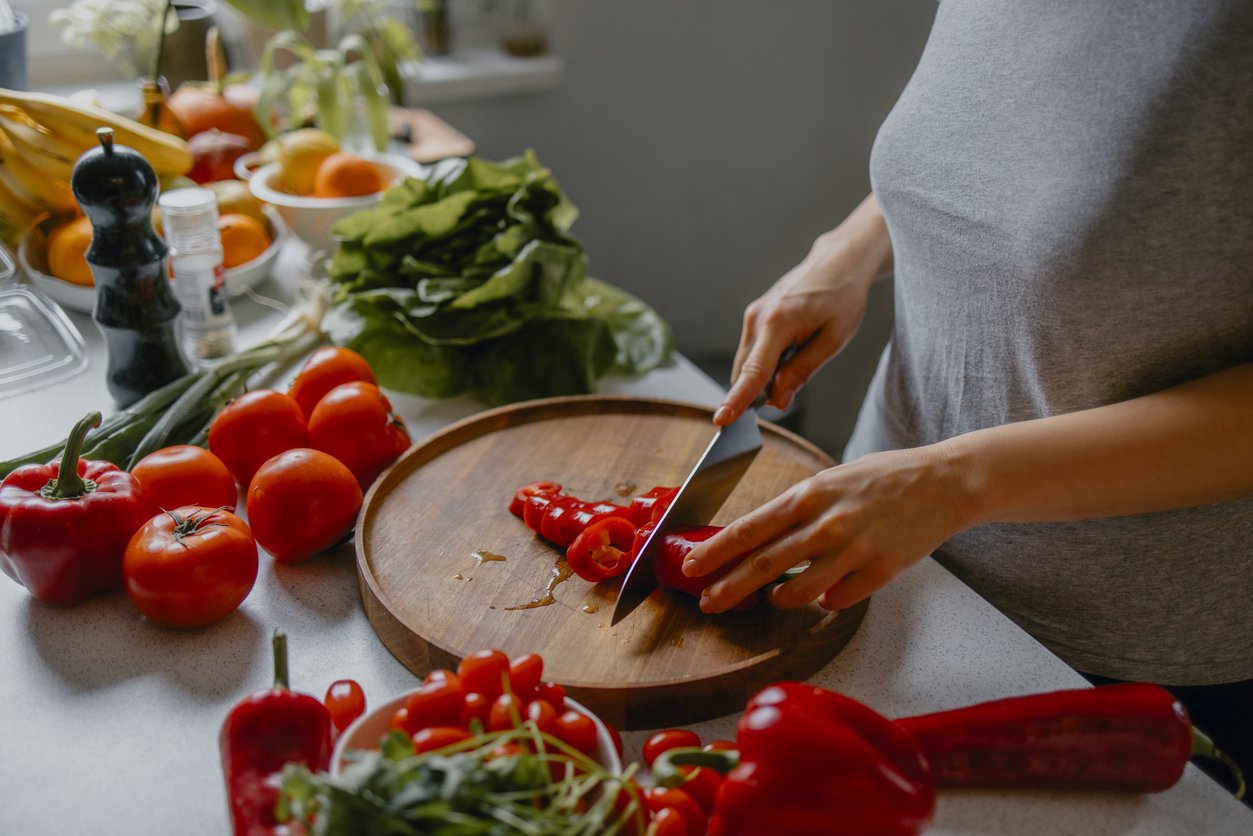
(68, 484)
(194, 523)
(279, 643)
(1203, 746)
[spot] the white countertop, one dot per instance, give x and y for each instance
(109, 723)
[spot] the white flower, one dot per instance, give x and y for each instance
(125, 31)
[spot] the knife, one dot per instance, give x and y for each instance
(702, 493)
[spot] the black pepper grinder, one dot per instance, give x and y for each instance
(135, 308)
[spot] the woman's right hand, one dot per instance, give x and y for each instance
(818, 306)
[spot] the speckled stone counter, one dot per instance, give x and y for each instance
(109, 723)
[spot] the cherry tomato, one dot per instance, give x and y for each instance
(345, 701)
(484, 671)
(190, 567)
(525, 673)
(435, 703)
(659, 798)
(325, 369)
(667, 739)
(576, 729)
(526, 491)
(702, 784)
(186, 475)
(255, 427)
(302, 502)
(475, 706)
(668, 821)
(721, 746)
(354, 422)
(543, 715)
(603, 550)
(438, 737)
(553, 694)
(442, 675)
(617, 739)
(505, 709)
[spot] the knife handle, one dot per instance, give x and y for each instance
(766, 393)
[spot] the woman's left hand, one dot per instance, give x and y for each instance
(858, 524)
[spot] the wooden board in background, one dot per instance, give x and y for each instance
(432, 600)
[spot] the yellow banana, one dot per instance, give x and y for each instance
(15, 215)
(31, 184)
(77, 123)
(44, 150)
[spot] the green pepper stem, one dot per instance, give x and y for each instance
(666, 772)
(279, 642)
(1203, 746)
(68, 484)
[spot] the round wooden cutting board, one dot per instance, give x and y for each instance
(446, 570)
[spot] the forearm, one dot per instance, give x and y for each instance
(1185, 446)
(859, 245)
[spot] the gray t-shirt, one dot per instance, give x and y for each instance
(1069, 189)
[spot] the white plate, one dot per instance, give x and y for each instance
(32, 255)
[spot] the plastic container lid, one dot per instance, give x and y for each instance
(39, 345)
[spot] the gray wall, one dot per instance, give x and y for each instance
(706, 143)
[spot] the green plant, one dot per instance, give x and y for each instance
(127, 32)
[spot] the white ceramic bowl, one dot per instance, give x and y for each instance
(32, 254)
(367, 730)
(311, 218)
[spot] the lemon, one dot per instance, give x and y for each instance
(300, 152)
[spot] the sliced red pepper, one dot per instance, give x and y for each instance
(674, 546)
(527, 491)
(533, 509)
(650, 505)
(590, 513)
(555, 524)
(603, 550)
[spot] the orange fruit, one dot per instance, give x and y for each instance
(67, 252)
(346, 175)
(243, 238)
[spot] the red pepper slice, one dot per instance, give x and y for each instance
(650, 505)
(533, 509)
(555, 525)
(603, 550)
(527, 491)
(590, 513)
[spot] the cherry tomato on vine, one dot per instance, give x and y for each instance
(190, 566)
(354, 422)
(255, 427)
(484, 671)
(302, 502)
(667, 739)
(186, 475)
(345, 701)
(325, 369)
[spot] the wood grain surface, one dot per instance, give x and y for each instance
(446, 570)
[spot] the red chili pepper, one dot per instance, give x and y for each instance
(811, 762)
(1133, 737)
(64, 526)
(525, 492)
(651, 504)
(674, 546)
(603, 550)
(262, 734)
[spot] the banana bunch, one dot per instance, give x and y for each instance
(42, 136)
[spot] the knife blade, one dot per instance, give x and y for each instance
(702, 493)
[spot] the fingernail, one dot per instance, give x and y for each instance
(723, 413)
(689, 568)
(707, 603)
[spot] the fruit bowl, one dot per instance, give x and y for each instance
(311, 218)
(32, 256)
(367, 730)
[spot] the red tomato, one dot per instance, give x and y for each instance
(435, 703)
(325, 369)
(603, 550)
(553, 694)
(345, 701)
(525, 673)
(484, 671)
(186, 475)
(617, 739)
(302, 502)
(543, 715)
(576, 729)
(667, 739)
(506, 710)
(660, 798)
(668, 822)
(702, 784)
(442, 675)
(190, 567)
(475, 706)
(438, 737)
(721, 746)
(527, 491)
(255, 427)
(354, 422)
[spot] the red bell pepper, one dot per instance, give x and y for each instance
(64, 526)
(1133, 737)
(603, 550)
(263, 733)
(813, 762)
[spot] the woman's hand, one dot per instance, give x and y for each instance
(858, 524)
(818, 305)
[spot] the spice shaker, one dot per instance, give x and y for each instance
(135, 308)
(189, 218)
